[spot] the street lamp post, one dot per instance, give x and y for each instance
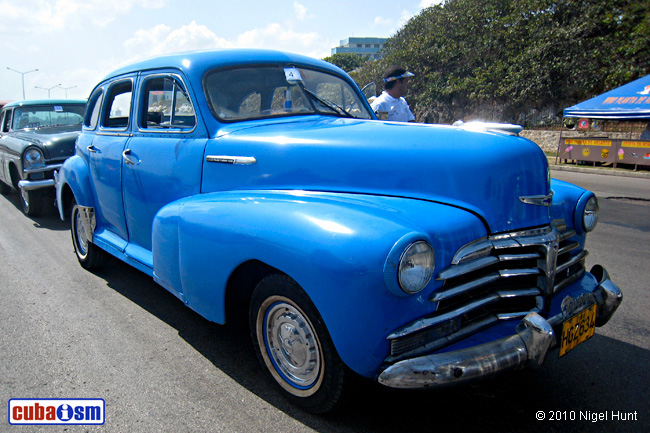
(49, 89)
(66, 90)
(23, 77)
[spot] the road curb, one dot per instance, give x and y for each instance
(600, 170)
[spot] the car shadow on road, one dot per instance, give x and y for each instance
(49, 218)
(507, 403)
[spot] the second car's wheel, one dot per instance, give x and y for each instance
(294, 346)
(32, 202)
(90, 256)
(4, 188)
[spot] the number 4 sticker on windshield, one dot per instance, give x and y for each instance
(292, 74)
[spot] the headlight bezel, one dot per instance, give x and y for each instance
(405, 249)
(590, 214)
(421, 252)
(33, 157)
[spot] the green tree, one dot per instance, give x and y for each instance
(500, 59)
(346, 61)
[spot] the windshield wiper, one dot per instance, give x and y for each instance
(331, 105)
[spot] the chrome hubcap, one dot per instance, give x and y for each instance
(82, 238)
(292, 345)
(25, 196)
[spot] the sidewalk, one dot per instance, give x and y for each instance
(608, 171)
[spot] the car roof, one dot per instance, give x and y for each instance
(33, 102)
(198, 62)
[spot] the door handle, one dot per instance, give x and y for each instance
(92, 149)
(128, 160)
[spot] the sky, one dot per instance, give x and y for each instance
(75, 43)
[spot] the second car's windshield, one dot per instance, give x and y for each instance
(271, 91)
(40, 116)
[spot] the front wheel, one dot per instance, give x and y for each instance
(4, 188)
(293, 345)
(90, 256)
(32, 202)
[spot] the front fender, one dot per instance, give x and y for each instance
(74, 174)
(335, 246)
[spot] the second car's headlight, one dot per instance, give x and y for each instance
(590, 215)
(416, 267)
(33, 157)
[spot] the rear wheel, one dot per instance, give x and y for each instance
(294, 346)
(89, 255)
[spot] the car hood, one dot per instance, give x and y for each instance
(485, 173)
(57, 142)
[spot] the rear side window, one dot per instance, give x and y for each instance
(166, 105)
(118, 105)
(93, 108)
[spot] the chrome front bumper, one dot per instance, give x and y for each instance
(30, 185)
(534, 338)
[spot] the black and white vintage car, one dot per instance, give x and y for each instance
(35, 138)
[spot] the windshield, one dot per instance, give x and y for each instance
(39, 116)
(271, 91)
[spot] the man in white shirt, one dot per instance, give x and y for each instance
(391, 105)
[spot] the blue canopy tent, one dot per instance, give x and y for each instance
(628, 102)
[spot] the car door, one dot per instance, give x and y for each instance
(105, 149)
(162, 160)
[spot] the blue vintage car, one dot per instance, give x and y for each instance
(259, 185)
(35, 138)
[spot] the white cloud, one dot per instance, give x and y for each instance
(275, 35)
(381, 21)
(300, 11)
(427, 3)
(405, 17)
(163, 39)
(39, 16)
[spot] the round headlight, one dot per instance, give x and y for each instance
(590, 215)
(33, 157)
(416, 267)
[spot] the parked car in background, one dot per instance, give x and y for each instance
(259, 184)
(35, 138)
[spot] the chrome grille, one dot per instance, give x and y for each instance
(503, 277)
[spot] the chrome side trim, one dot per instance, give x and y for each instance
(538, 200)
(234, 160)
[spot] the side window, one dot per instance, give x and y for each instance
(166, 105)
(93, 108)
(6, 120)
(118, 105)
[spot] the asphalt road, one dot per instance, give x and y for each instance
(116, 335)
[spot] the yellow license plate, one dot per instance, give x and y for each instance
(578, 329)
